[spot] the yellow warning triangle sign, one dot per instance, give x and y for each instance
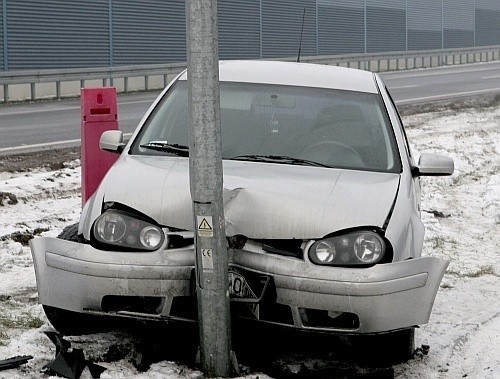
(204, 225)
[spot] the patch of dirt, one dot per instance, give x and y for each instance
(50, 159)
(9, 197)
(24, 237)
(473, 102)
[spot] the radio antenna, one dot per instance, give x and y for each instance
(301, 33)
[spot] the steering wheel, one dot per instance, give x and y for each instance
(333, 153)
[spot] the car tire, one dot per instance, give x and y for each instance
(70, 233)
(382, 350)
(68, 322)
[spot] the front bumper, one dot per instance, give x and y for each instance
(78, 277)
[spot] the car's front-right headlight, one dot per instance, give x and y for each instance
(118, 229)
(358, 248)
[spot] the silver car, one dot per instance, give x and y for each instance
(321, 203)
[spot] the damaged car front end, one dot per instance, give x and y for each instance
(321, 207)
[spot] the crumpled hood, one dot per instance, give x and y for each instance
(261, 200)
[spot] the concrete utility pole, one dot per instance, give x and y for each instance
(205, 163)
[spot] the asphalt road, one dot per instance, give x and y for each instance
(443, 83)
(46, 124)
(55, 121)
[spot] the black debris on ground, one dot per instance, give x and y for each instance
(69, 362)
(13, 362)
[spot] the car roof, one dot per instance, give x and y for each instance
(296, 74)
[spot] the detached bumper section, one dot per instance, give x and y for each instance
(78, 277)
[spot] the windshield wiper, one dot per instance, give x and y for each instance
(174, 148)
(278, 159)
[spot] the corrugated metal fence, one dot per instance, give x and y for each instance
(49, 34)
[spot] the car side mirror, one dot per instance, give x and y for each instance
(112, 141)
(434, 165)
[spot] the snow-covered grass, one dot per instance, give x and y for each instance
(462, 218)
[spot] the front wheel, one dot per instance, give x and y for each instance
(70, 233)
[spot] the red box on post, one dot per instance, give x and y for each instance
(99, 112)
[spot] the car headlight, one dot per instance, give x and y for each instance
(121, 230)
(359, 248)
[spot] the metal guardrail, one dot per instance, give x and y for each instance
(106, 76)
(48, 84)
(406, 60)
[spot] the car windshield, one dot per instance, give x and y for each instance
(281, 124)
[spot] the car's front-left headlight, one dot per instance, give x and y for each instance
(118, 229)
(359, 248)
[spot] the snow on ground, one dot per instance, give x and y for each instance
(462, 217)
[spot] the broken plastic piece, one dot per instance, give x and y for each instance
(69, 363)
(62, 345)
(14, 362)
(95, 370)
